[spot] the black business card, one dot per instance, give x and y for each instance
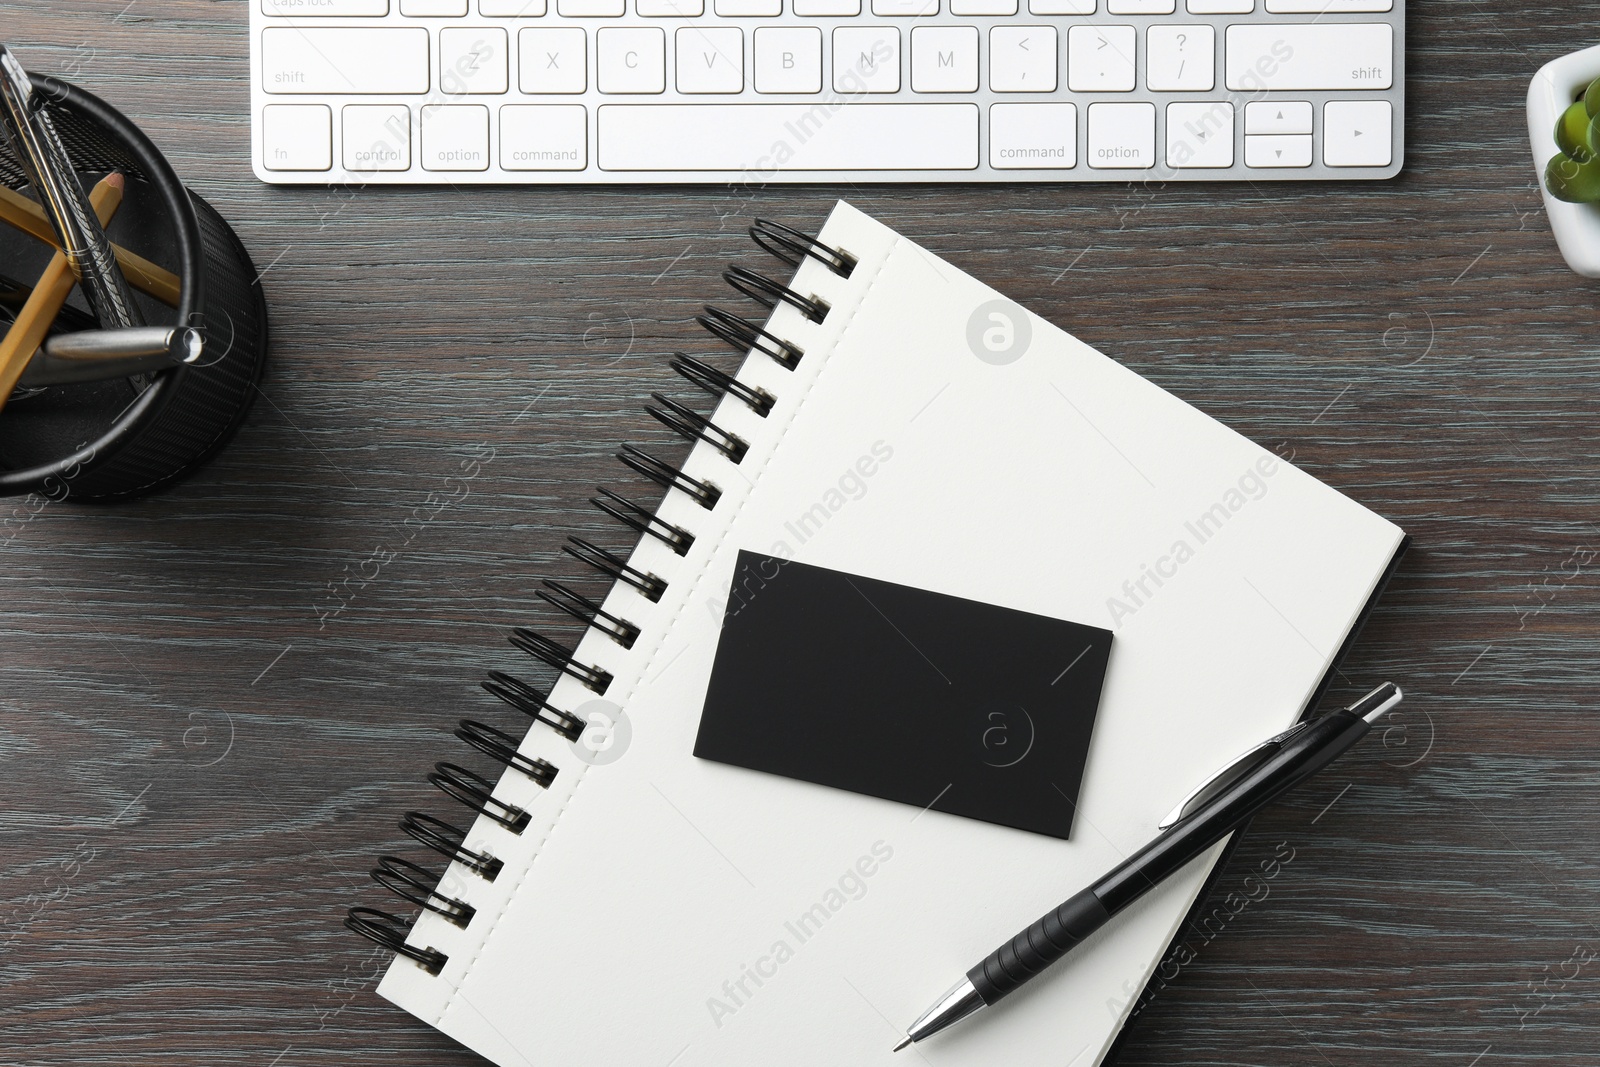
(896, 692)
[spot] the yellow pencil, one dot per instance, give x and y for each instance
(142, 274)
(54, 286)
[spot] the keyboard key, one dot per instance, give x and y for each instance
(455, 137)
(1141, 7)
(1181, 59)
(1299, 56)
(313, 8)
(914, 8)
(944, 59)
(297, 137)
(1221, 7)
(1100, 59)
(823, 8)
(788, 59)
(1061, 7)
(551, 60)
(1122, 136)
(377, 137)
(1200, 135)
(512, 9)
(473, 60)
(1022, 59)
(758, 140)
(749, 8)
(983, 7)
(340, 60)
(1326, 7)
(1290, 116)
(1277, 150)
(1357, 133)
(669, 9)
(1033, 136)
(631, 60)
(591, 9)
(544, 137)
(431, 8)
(866, 60)
(710, 59)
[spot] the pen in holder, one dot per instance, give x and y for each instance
(101, 413)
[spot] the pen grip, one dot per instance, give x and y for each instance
(1037, 947)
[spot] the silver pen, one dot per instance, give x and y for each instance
(95, 355)
(38, 147)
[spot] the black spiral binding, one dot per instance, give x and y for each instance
(528, 700)
(648, 585)
(390, 932)
(541, 647)
(645, 521)
(499, 745)
(695, 426)
(477, 793)
(666, 475)
(449, 842)
(790, 245)
(720, 382)
(418, 885)
(743, 335)
(767, 293)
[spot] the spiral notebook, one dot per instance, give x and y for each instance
(621, 901)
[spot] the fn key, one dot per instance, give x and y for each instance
(297, 137)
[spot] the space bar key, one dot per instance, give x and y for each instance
(760, 140)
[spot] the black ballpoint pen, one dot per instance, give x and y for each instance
(1200, 820)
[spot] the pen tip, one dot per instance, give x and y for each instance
(902, 1044)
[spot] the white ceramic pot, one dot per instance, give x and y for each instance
(1554, 88)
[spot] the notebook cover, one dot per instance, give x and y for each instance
(661, 908)
(935, 701)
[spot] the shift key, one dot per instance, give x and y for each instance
(301, 60)
(1310, 55)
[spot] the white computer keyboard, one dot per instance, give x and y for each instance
(753, 91)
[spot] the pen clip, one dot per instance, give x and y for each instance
(1230, 773)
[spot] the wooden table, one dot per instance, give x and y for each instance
(200, 767)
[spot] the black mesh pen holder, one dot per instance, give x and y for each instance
(125, 437)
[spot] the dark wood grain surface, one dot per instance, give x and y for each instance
(199, 770)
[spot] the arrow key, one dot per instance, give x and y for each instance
(1277, 150)
(1200, 135)
(1278, 116)
(1358, 133)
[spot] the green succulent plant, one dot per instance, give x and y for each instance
(1573, 174)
